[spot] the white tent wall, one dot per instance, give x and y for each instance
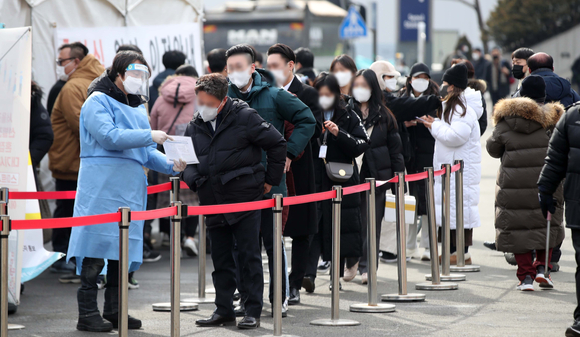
(46, 16)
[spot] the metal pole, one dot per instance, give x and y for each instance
(175, 262)
(335, 267)
(4, 233)
(372, 305)
(402, 296)
(459, 223)
(124, 270)
(436, 278)
(446, 228)
(421, 37)
(277, 301)
(202, 258)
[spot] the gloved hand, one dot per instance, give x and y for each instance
(159, 137)
(179, 166)
(547, 203)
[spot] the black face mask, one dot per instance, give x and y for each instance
(518, 72)
(443, 90)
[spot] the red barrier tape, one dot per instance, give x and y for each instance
(192, 210)
(154, 214)
(66, 222)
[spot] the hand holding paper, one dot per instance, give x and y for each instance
(180, 148)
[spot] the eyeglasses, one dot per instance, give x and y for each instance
(59, 61)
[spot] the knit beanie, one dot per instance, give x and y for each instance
(534, 87)
(456, 75)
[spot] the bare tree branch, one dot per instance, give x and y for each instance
(466, 3)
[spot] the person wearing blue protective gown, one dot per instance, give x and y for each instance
(116, 143)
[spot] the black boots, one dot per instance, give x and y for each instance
(133, 323)
(94, 323)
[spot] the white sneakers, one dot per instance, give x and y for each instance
(350, 273)
(190, 247)
(426, 256)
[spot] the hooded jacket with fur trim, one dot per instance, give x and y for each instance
(520, 139)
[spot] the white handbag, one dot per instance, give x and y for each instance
(391, 211)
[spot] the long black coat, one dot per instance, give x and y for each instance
(41, 135)
(384, 156)
(229, 169)
(352, 141)
(422, 144)
(563, 161)
(303, 219)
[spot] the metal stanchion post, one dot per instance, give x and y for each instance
(459, 224)
(5, 221)
(175, 259)
(402, 296)
(436, 280)
(124, 270)
(201, 297)
(372, 305)
(446, 228)
(335, 271)
(277, 301)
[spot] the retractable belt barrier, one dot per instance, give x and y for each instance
(177, 212)
(192, 210)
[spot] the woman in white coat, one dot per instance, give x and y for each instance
(457, 135)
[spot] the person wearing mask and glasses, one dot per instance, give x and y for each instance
(116, 143)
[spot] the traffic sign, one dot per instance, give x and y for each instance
(353, 25)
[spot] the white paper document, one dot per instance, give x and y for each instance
(180, 148)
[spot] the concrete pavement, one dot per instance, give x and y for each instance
(487, 304)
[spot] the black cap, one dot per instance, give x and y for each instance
(456, 75)
(418, 69)
(534, 87)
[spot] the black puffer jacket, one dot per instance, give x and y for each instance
(352, 141)
(229, 169)
(41, 135)
(421, 143)
(563, 161)
(384, 157)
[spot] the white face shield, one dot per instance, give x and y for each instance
(136, 80)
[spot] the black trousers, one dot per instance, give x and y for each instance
(267, 238)
(87, 293)
(246, 234)
(313, 255)
(380, 212)
(576, 243)
(64, 209)
(188, 227)
(300, 253)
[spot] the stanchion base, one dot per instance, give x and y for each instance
(200, 300)
(334, 322)
(166, 307)
(465, 269)
(365, 307)
(15, 326)
(440, 286)
(403, 298)
(447, 278)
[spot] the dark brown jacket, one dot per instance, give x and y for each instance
(520, 138)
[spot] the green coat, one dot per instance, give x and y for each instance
(275, 106)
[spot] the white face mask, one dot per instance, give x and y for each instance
(361, 94)
(208, 113)
(391, 84)
(132, 85)
(279, 76)
(475, 56)
(420, 84)
(326, 102)
(240, 78)
(343, 78)
(61, 73)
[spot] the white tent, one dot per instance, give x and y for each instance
(46, 15)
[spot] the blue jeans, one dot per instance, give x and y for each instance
(87, 293)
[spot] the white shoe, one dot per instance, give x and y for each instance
(350, 273)
(190, 247)
(426, 255)
(365, 278)
(411, 253)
